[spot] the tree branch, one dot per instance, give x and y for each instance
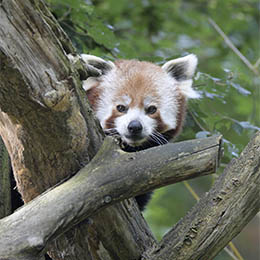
(49, 131)
(111, 176)
(233, 47)
(48, 127)
(220, 214)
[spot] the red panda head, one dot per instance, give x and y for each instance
(142, 102)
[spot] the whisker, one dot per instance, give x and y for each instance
(159, 135)
(157, 140)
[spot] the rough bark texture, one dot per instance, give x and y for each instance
(45, 120)
(220, 214)
(50, 134)
(111, 176)
(5, 185)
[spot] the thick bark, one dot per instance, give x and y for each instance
(220, 214)
(45, 120)
(50, 134)
(111, 176)
(5, 185)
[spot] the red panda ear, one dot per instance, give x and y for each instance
(89, 83)
(96, 66)
(182, 70)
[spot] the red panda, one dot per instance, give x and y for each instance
(143, 103)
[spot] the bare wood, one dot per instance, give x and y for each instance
(111, 176)
(46, 123)
(50, 133)
(220, 214)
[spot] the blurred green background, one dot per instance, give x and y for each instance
(158, 31)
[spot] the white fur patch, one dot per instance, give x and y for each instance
(187, 90)
(91, 58)
(123, 121)
(87, 57)
(124, 100)
(168, 105)
(89, 83)
(150, 101)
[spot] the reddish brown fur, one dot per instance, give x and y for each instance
(161, 127)
(110, 122)
(139, 83)
(93, 96)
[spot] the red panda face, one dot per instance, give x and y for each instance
(140, 101)
(134, 120)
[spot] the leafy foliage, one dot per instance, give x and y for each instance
(161, 30)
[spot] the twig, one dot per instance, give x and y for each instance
(230, 253)
(257, 63)
(192, 192)
(197, 122)
(235, 251)
(233, 47)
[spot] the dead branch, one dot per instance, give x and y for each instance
(111, 176)
(220, 214)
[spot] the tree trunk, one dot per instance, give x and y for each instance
(50, 133)
(47, 125)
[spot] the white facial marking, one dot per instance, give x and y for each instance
(122, 122)
(124, 100)
(150, 101)
(89, 83)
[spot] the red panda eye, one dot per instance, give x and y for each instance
(151, 110)
(121, 108)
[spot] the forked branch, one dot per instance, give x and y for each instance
(112, 176)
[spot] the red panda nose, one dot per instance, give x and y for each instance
(135, 127)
